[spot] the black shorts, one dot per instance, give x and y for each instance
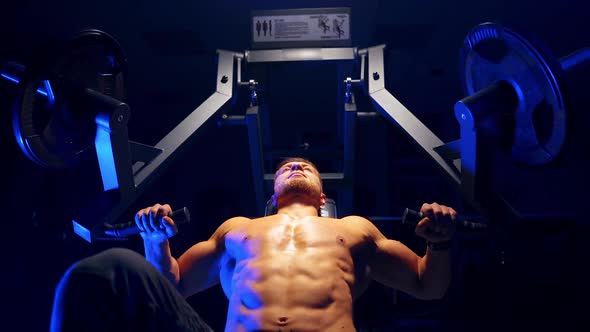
(118, 290)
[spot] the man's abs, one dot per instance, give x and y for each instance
(287, 293)
(287, 276)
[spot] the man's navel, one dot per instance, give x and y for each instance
(282, 321)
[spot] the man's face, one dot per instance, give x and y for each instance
(298, 178)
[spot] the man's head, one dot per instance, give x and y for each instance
(298, 178)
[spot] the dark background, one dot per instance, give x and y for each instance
(528, 272)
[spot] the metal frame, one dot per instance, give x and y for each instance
(256, 156)
(128, 167)
(391, 108)
(344, 178)
(465, 162)
(154, 160)
(114, 154)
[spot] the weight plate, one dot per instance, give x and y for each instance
(50, 122)
(492, 53)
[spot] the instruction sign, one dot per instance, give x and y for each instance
(309, 27)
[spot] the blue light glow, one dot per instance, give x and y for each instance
(16, 80)
(111, 60)
(49, 94)
(82, 231)
(10, 78)
(57, 313)
(104, 153)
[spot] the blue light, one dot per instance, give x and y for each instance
(10, 78)
(111, 60)
(57, 313)
(82, 231)
(39, 91)
(104, 153)
(49, 94)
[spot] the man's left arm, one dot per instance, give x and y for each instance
(395, 265)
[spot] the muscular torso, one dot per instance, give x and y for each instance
(286, 274)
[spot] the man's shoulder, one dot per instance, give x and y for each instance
(361, 224)
(355, 219)
(234, 221)
(242, 223)
(229, 225)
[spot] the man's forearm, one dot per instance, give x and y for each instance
(435, 273)
(159, 255)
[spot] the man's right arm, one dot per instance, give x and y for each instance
(159, 255)
(195, 270)
(200, 265)
(156, 228)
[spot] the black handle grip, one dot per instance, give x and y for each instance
(180, 216)
(412, 217)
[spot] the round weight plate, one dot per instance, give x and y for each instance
(493, 53)
(50, 122)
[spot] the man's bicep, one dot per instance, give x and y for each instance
(390, 262)
(199, 267)
(395, 265)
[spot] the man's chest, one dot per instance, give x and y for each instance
(277, 236)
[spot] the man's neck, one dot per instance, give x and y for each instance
(298, 210)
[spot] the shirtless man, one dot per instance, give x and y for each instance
(294, 270)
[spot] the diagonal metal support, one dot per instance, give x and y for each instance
(109, 206)
(392, 109)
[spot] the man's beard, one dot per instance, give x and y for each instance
(299, 187)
